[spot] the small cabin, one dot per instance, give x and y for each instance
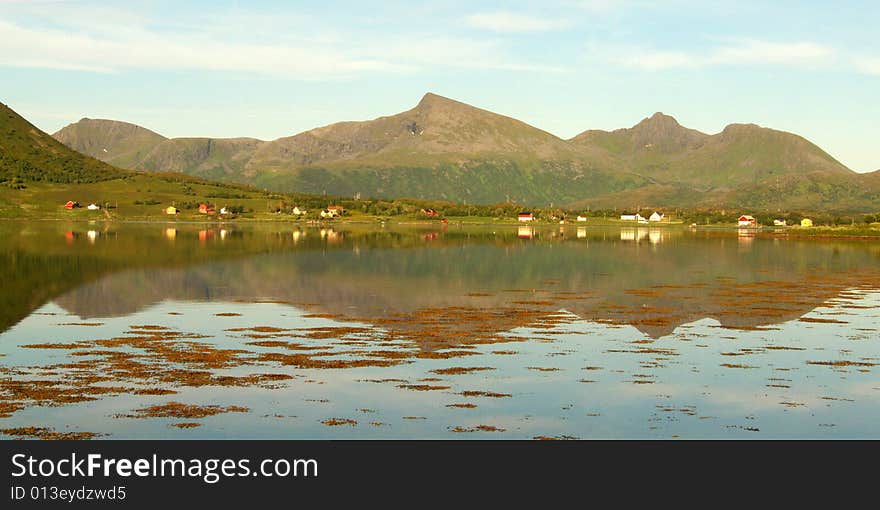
(224, 210)
(93, 207)
(206, 208)
(779, 223)
(171, 210)
(297, 211)
(581, 218)
(327, 213)
(746, 221)
(71, 204)
(525, 216)
(429, 212)
(806, 222)
(656, 217)
(336, 210)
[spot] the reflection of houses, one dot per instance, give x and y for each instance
(170, 233)
(656, 217)
(171, 210)
(638, 235)
(204, 235)
(780, 223)
(330, 235)
(746, 221)
(806, 222)
(297, 235)
(581, 233)
(525, 216)
(525, 232)
(92, 235)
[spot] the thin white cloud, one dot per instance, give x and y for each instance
(306, 57)
(513, 22)
(868, 65)
(739, 52)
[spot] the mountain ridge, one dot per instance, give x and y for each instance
(446, 149)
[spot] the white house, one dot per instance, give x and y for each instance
(298, 212)
(93, 207)
(223, 210)
(633, 217)
(581, 218)
(779, 223)
(656, 217)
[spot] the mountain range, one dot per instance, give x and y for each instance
(448, 150)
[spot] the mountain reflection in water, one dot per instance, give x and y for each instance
(435, 288)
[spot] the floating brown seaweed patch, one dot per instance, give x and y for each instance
(46, 433)
(505, 353)
(292, 346)
(734, 365)
(321, 316)
(462, 406)
(478, 428)
(75, 345)
(822, 321)
(186, 425)
(422, 387)
(227, 314)
(792, 404)
(543, 369)
(445, 354)
(181, 410)
(784, 348)
(149, 327)
(414, 418)
(81, 324)
(586, 380)
(7, 408)
(555, 438)
(153, 391)
(776, 385)
(260, 329)
(336, 422)
(477, 294)
(842, 363)
(477, 393)
(460, 370)
(379, 424)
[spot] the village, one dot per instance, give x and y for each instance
(335, 211)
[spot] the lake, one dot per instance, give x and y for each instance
(264, 331)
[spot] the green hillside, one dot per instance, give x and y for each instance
(29, 155)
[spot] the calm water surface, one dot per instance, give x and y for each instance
(279, 331)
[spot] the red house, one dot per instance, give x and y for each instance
(526, 216)
(429, 212)
(206, 209)
(747, 221)
(71, 204)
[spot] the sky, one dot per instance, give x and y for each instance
(275, 68)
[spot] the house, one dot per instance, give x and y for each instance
(656, 217)
(206, 209)
(779, 223)
(633, 217)
(93, 207)
(326, 214)
(224, 210)
(429, 212)
(171, 210)
(337, 210)
(581, 218)
(806, 222)
(747, 221)
(525, 216)
(71, 204)
(298, 212)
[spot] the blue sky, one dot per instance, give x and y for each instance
(272, 69)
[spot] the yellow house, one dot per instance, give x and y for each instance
(806, 222)
(170, 210)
